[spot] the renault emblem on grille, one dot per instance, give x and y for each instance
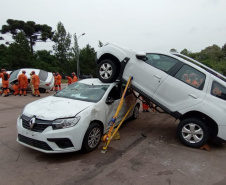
(32, 122)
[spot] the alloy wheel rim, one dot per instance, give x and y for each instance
(94, 137)
(192, 133)
(105, 71)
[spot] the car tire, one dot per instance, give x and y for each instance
(193, 132)
(135, 112)
(41, 90)
(92, 137)
(107, 71)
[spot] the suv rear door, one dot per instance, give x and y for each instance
(184, 89)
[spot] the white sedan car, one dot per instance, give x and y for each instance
(74, 118)
(46, 78)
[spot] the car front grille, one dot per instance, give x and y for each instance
(39, 125)
(34, 143)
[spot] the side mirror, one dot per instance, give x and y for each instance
(109, 100)
(141, 55)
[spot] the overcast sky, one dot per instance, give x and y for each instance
(141, 25)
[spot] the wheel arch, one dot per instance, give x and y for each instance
(211, 124)
(111, 57)
(99, 122)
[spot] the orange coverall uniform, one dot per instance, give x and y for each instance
(36, 82)
(69, 80)
(5, 82)
(16, 89)
(75, 79)
(58, 82)
(23, 83)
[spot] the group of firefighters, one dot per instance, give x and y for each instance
(20, 87)
(58, 77)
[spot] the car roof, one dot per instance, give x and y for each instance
(95, 81)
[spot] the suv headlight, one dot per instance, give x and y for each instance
(65, 123)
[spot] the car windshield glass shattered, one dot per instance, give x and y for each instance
(84, 92)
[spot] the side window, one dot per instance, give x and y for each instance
(162, 62)
(218, 90)
(115, 92)
(191, 76)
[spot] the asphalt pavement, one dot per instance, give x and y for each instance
(148, 152)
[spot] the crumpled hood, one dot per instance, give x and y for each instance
(51, 108)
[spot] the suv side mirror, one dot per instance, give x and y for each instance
(141, 55)
(109, 100)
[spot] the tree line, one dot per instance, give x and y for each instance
(64, 55)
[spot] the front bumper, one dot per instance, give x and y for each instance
(51, 141)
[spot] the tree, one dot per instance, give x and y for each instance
(87, 60)
(62, 48)
(173, 50)
(32, 31)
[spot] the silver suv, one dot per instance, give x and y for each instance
(179, 85)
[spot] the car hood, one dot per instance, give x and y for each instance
(52, 108)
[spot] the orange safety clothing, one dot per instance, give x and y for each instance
(23, 83)
(58, 79)
(36, 82)
(16, 89)
(69, 80)
(5, 82)
(75, 79)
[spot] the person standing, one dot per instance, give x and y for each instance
(5, 82)
(35, 83)
(58, 81)
(69, 79)
(23, 83)
(31, 85)
(74, 77)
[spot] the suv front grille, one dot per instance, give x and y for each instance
(34, 143)
(39, 126)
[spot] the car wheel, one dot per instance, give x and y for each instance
(41, 90)
(135, 112)
(92, 137)
(107, 71)
(193, 132)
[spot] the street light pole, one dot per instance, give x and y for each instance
(78, 68)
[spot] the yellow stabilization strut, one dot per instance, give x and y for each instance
(108, 137)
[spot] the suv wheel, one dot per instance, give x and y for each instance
(107, 71)
(92, 137)
(136, 112)
(192, 132)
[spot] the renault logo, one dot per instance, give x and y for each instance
(32, 122)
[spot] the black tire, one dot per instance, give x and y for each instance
(135, 112)
(193, 132)
(41, 90)
(107, 71)
(92, 137)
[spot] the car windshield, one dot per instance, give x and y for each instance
(84, 92)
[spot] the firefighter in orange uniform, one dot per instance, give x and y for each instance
(5, 82)
(74, 78)
(23, 83)
(58, 81)
(16, 88)
(35, 83)
(69, 79)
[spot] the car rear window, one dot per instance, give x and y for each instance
(43, 75)
(218, 90)
(13, 75)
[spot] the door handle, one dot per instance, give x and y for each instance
(193, 96)
(157, 76)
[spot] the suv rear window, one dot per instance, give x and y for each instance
(43, 75)
(218, 90)
(191, 76)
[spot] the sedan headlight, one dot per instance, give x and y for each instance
(65, 123)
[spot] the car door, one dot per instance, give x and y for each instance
(110, 108)
(150, 73)
(186, 88)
